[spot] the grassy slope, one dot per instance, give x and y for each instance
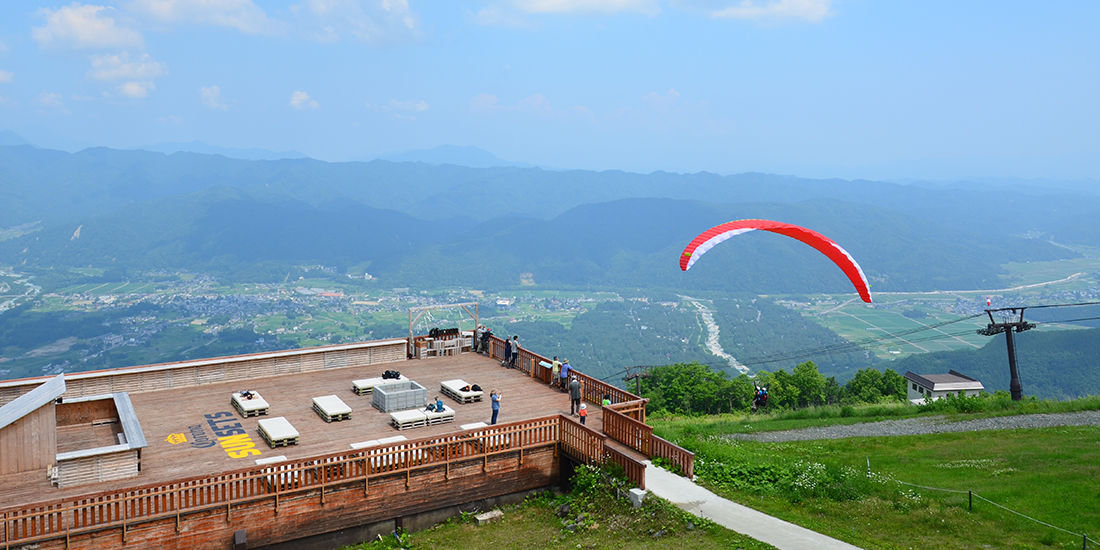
(1049, 474)
(607, 523)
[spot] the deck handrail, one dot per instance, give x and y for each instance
(97, 511)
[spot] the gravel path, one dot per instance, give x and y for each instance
(927, 425)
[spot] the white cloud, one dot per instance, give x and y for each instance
(120, 67)
(6, 76)
(301, 100)
(369, 21)
(211, 98)
(651, 7)
(83, 27)
(49, 99)
(409, 105)
(242, 15)
(172, 119)
(484, 102)
(136, 90)
(488, 103)
(813, 11)
(496, 17)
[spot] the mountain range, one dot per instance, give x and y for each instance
(438, 225)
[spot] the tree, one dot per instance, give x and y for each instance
(810, 384)
(864, 387)
(893, 385)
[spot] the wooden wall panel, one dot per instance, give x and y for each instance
(86, 412)
(96, 469)
(156, 377)
(30, 443)
(336, 359)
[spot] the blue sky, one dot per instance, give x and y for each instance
(818, 88)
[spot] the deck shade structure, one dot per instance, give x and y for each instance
(28, 429)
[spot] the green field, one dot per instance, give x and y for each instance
(1036, 283)
(1048, 474)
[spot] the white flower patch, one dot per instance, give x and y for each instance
(977, 464)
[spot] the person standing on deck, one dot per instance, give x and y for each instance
(494, 396)
(564, 378)
(515, 351)
(507, 351)
(574, 396)
(555, 372)
(583, 412)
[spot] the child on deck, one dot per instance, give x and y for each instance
(583, 413)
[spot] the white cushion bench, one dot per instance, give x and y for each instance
(278, 432)
(281, 475)
(440, 417)
(412, 418)
(377, 442)
(331, 408)
(366, 385)
(453, 389)
(249, 407)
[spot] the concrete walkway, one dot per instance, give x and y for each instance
(692, 498)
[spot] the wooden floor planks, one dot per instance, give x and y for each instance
(167, 412)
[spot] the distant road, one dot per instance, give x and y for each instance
(1021, 287)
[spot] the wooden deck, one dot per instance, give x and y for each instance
(181, 425)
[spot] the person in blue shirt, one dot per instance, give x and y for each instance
(566, 369)
(494, 396)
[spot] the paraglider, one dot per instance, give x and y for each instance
(706, 240)
(760, 398)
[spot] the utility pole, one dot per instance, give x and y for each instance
(637, 376)
(1013, 322)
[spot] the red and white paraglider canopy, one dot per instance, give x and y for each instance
(707, 239)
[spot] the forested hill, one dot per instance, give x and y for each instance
(1057, 365)
(55, 187)
(256, 235)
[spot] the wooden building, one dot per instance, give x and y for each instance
(28, 429)
(206, 475)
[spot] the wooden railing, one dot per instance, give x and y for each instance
(623, 421)
(593, 390)
(626, 430)
(634, 470)
(673, 453)
(155, 502)
(590, 447)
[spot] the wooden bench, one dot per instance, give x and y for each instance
(278, 432)
(440, 417)
(412, 418)
(366, 385)
(453, 389)
(331, 408)
(249, 407)
(377, 442)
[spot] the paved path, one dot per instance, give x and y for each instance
(703, 503)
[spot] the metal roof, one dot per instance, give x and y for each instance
(31, 401)
(952, 381)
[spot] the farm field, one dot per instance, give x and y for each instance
(1062, 281)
